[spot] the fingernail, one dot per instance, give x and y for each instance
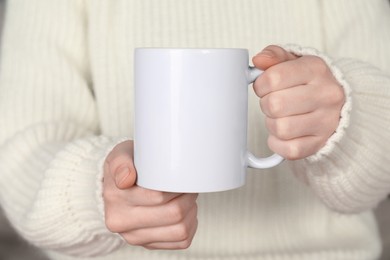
(122, 175)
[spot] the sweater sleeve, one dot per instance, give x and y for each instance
(350, 173)
(51, 151)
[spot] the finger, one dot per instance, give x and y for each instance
(173, 233)
(148, 216)
(297, 148)
(282, 76)
(301, 71)
(163, 215)
(293, 101)
(135, 196)
(119, 164)
(175, 245)
(318, 123)
(270, 56)
(139, 196)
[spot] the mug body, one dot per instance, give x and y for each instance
(191, 119)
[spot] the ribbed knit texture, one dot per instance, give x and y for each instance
(66, 100)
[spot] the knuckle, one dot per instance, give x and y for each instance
(274, 105)
(114, 156)
(113, 224)
(121, 158)
(316, 64)
(273, 77)
(182, 232)
(332, 95)
(294, 151)
(337, 96)
(282, 129)
(176, 213)
(114, 162)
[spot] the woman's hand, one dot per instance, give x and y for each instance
(152, 219)
(301, 100)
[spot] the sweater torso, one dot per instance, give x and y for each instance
(274, 216)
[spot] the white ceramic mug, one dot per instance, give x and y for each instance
(191, 109)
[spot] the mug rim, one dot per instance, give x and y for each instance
(200, 49)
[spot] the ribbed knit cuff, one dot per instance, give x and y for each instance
(70, 206)
(88, 210)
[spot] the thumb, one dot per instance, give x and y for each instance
(270, 56)
(125, 176)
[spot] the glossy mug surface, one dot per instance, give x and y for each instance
(191, 119)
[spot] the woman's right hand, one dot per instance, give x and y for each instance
(152, 219)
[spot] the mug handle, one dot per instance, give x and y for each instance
(252, 160)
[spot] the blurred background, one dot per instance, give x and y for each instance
(12, 247)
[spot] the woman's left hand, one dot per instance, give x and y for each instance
(301, 100)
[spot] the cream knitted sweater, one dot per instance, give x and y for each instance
(66, 100)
